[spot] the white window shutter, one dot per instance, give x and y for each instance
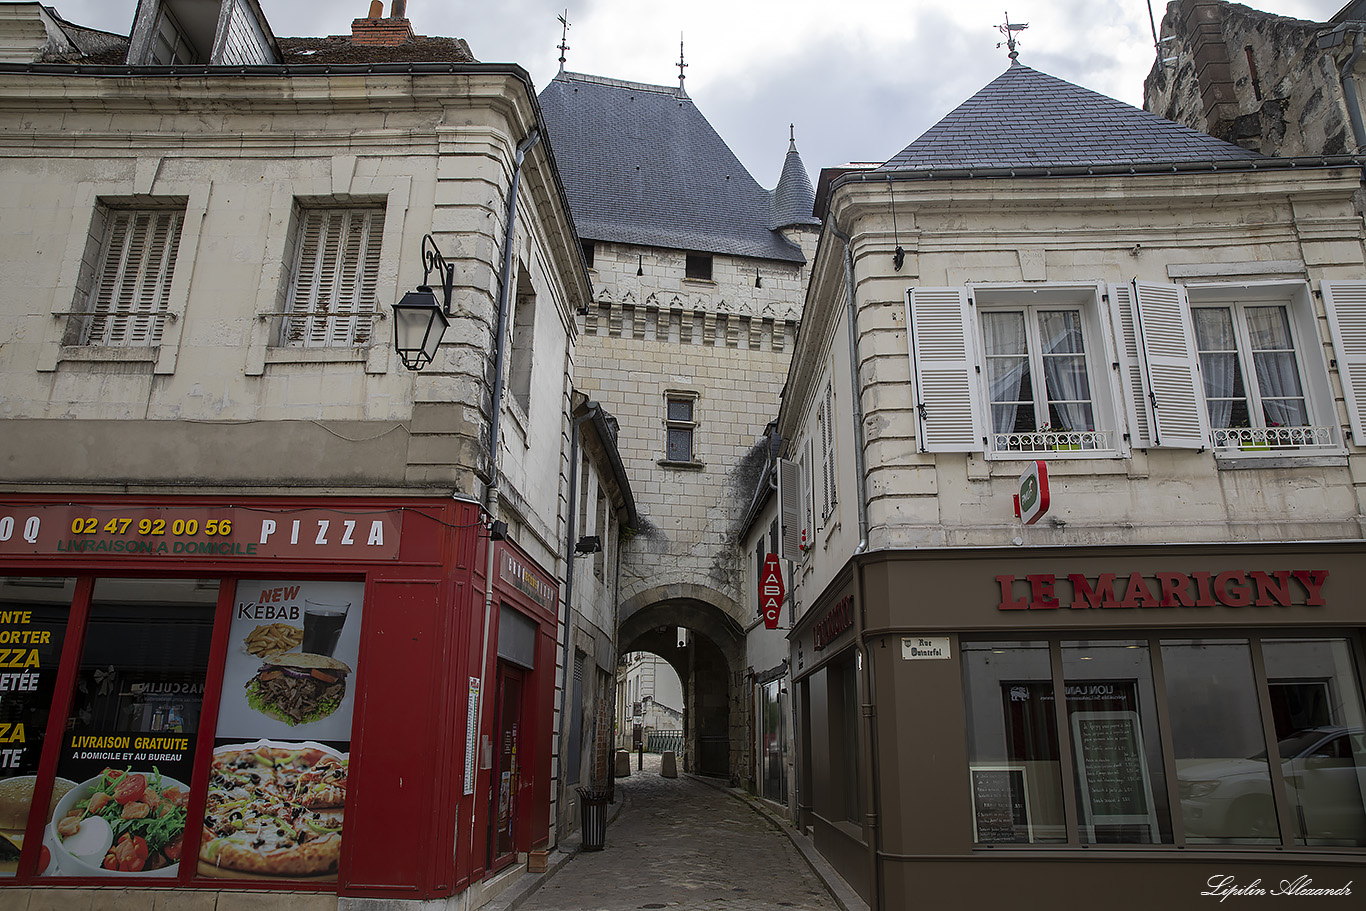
(336, 273)
(948, 416)
(1132, 377)
(133, 287)
(790, 510)
(1173, 366)
(1345, 303)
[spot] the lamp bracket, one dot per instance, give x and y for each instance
(432, 260)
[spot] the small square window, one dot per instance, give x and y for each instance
(698, 266)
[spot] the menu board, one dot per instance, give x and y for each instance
(277, 792)
(1000, 805)
(1111, 769)
(30, 647)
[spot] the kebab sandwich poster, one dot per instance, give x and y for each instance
(291, 661)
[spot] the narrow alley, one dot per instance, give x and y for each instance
(682, 844)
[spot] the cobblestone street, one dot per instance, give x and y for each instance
(683, 845)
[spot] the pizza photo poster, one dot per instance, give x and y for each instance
(277, 786)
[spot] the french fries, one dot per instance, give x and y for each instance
(273, 639)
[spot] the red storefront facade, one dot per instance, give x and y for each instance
(179, 644)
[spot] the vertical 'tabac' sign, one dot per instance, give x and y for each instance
(771, 591)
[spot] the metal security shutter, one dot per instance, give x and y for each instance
(948, 417)
(576, 697)
(336, 270)
(133, 287)
(1173, 366)
(789, 510)
(1345, 303)
(1132, 377)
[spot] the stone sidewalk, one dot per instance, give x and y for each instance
(685, 844)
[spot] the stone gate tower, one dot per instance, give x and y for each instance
(699, 276)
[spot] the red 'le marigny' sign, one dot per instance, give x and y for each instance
(1231, 588)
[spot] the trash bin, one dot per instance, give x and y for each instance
(593, 817)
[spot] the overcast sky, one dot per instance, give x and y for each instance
(860, 84)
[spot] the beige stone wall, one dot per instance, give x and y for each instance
(219, 406)
(724, 340)
(1291, 227)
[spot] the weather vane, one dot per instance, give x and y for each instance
(1010, 30)
(564, 37)
(681, 65)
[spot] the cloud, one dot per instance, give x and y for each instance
(860, 83)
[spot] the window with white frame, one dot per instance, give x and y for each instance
(1265, 388)
(1013, 370)
(127, 294)
(680, 426)
(334, 271)
(1038, 384)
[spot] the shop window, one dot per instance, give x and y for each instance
(1316, 710)
(1112, 726)
(124, 291)
(1014, 767)
(1219, 743)
(127, 755)
(1239, 756)
(773, 748)
(333, 275)
(33, 619)
(680, 426)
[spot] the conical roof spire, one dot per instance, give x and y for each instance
(794, 198)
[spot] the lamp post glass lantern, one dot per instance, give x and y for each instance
(419, 321)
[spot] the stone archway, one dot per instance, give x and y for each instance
(710, 668)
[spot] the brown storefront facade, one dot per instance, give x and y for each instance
(1177, 724)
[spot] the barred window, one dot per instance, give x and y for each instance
(131, 287)
(334, 273)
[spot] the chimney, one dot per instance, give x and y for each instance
(376, 32)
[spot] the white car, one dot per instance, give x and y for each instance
(1324, 769)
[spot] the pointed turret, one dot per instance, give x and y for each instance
(794, 199)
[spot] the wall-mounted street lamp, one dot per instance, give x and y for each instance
(588, 544)
(419, 321)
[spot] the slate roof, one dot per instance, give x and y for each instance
(338, 49)
(1025, 118)
(793, 198)
(641, 165)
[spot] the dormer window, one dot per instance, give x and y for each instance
(196, 32)
(170, 46)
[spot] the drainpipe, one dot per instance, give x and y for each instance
(1349, 91)
(860, 467)
(869, 709)
(491, 493)
(588, 415)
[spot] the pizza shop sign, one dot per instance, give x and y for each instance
(1229, 588)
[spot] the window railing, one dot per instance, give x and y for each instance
(1045, 442)
(1251, 440)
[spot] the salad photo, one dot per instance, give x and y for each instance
(118, 822)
